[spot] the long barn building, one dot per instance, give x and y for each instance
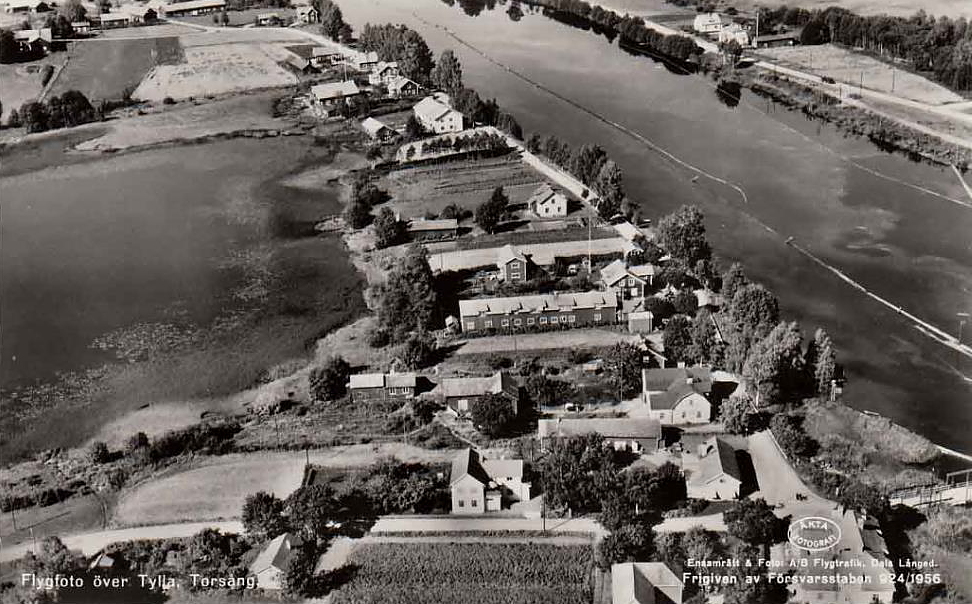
(538, 312)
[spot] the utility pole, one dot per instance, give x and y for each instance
(861, 89)
(963, 317)
(892, 75)
(756, 34)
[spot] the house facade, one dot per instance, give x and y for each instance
(461, 394)
(403, 87)
(513, 265)
(384, 73)
(547, 202)
(270, 566)
(377, 130)
(307, 14)
(433, 230)
(718, 477)
(677, 396)
(329, 97)
(734, 32)
(478, 485)
(707, 23)
(628, 282)
(436, 116)
(645, 583)
(192, 7)
(323, 56)
(538, 312)
(621, 433)
(365, 387)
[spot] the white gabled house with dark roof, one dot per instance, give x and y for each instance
(479, 485)
(678, 396)
(435, 114)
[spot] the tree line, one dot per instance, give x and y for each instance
(69, 109)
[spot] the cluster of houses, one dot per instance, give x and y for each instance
(715, 26)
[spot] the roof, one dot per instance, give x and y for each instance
(384, 66)
(433, 225)
(431, 109)
(628, 231)
(707, 297)
(719, 459)
(543, 194)
(470, 462)
(558, 302)
(659, 380)
(373, 126)
(301, 10)
(507, 254)
(642, 270)
(616, 271)
(400, 82)
(671, 397)
(77, 24)
(30, 35)
(102, 560)
(276, 554)
(335, 90)
(24, 3)
(644, 583)
(298, 62)
(119, 16)
(477, 386)
(790, 35)
(707, 18)
(324, 51)
(268, 16)
(382, 380)
(511, 468)
(363, 57)
(192, 5)
(620, 427)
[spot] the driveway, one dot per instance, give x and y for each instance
(91, 543)
(414, 524)
(574, 338)
(713, 522)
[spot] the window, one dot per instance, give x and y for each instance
(471, 325)
(553, 319)
(517, 322)
(488, 323)
(462, 503)
(473, 503)
(515, 275)
(506, 322)
(531, 321)
(572, 319)
(597, 316)
(698, 414)
(543, 320)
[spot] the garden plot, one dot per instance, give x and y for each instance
(212, 70)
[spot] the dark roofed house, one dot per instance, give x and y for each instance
(538, 312)
(630, 282)
(381, 386)
(323, 56)
(513, 265)
(622, 433)
(377, 130)
(678, 396)
(403, 87)
(431, 230)
(461, 394)
(718, 476)
(479, 485)
(329, 96)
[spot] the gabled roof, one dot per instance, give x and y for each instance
(507, 254)
(467, 463)
(384, 66)
(397, 84)
(617, 271)
(298, 62)
(717, 458)
(659, 380)
(324, 51)
(642, 270)
(559, 302)
(303, 10)
(31, 35)
(544, 194)
(373, 126)
(497, 383)
(118, 16)
(644, 583)
(510, 468)
(432, 109)
(619, 427)
(416, 226)
(382, 380)
(335, 90)
(277, 554)
(707, 297)
(192, 5)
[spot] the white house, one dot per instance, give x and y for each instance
(547, 202)
(384, 73)
(718, 476)
(270, 566)
(479, 485)
(377, 130)
(645, 583)
(402, 86)
(677, 396)
(327, 97)
(435, 115)
(307, 14)
(322, 56)
(734, 31)
(707, 23)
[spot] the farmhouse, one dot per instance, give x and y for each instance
(718, 476)
(622, 433)
(26, 6)
(383, 73)
(300, 64)
(677, 396)
(734, 32)
(644, 583)
(537, 312)
(513, 266)
(366, 387)
(193, 7)
(629, 282)
(37, 41)
(435, 115)
(362, 61)
(270, 566)
(328, 97)
(432, 230)
(377, 130)
(479, 485)
(323, 56)
(81, 28)
(707, 23)
(114, 20)
(774, 40)
(307, 14)
(546, 202)
(461, 394)
(403, 87)
(268, 20)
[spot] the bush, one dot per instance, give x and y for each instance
(99, 453)
(329, 382)
(168, 101)
(212, 438)
(418, 352)
(494, 415)
(46, 74)
(497, 362)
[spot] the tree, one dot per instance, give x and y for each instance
(263, 516)
(415, 59)
(629, 543)
(99, 453)
(329, 381)
(300, 579)
(753, 521)
(491, 211)
(332, 20)
(609, 185)
(753, 312)
(774, 366)
(578, 473)
(660, 308)
(358, 214)
(413, 128)
(685, 302)
(732, 280)
(493, 414)
(738, 417)
(9, 48)
(406, 301)
(419, 351)
(311, 510)
(389, 230)
(677, 337)
(655, 490)
(13, 120)
(790, 434)
(34, 116)
(534, 144)
(682, 233)
(447, 73)
(508, 124)
(821, 360)
(741, 586)
(587, 162)
(705, 346)
(622, 364)
(547, 392)
(137, 442)
(73, 11)
(224, 18)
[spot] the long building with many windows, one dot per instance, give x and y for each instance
(538, 312)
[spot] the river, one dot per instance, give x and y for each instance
(801, 178)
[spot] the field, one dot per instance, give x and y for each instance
(474, 573)
(21, 82)
(573, 339)
(953, 8)
(465, 183)
(106, 70)
(216, 489)
(212, 70)
(847, 66)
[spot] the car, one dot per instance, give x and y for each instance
(573, 269)
(573, 407)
